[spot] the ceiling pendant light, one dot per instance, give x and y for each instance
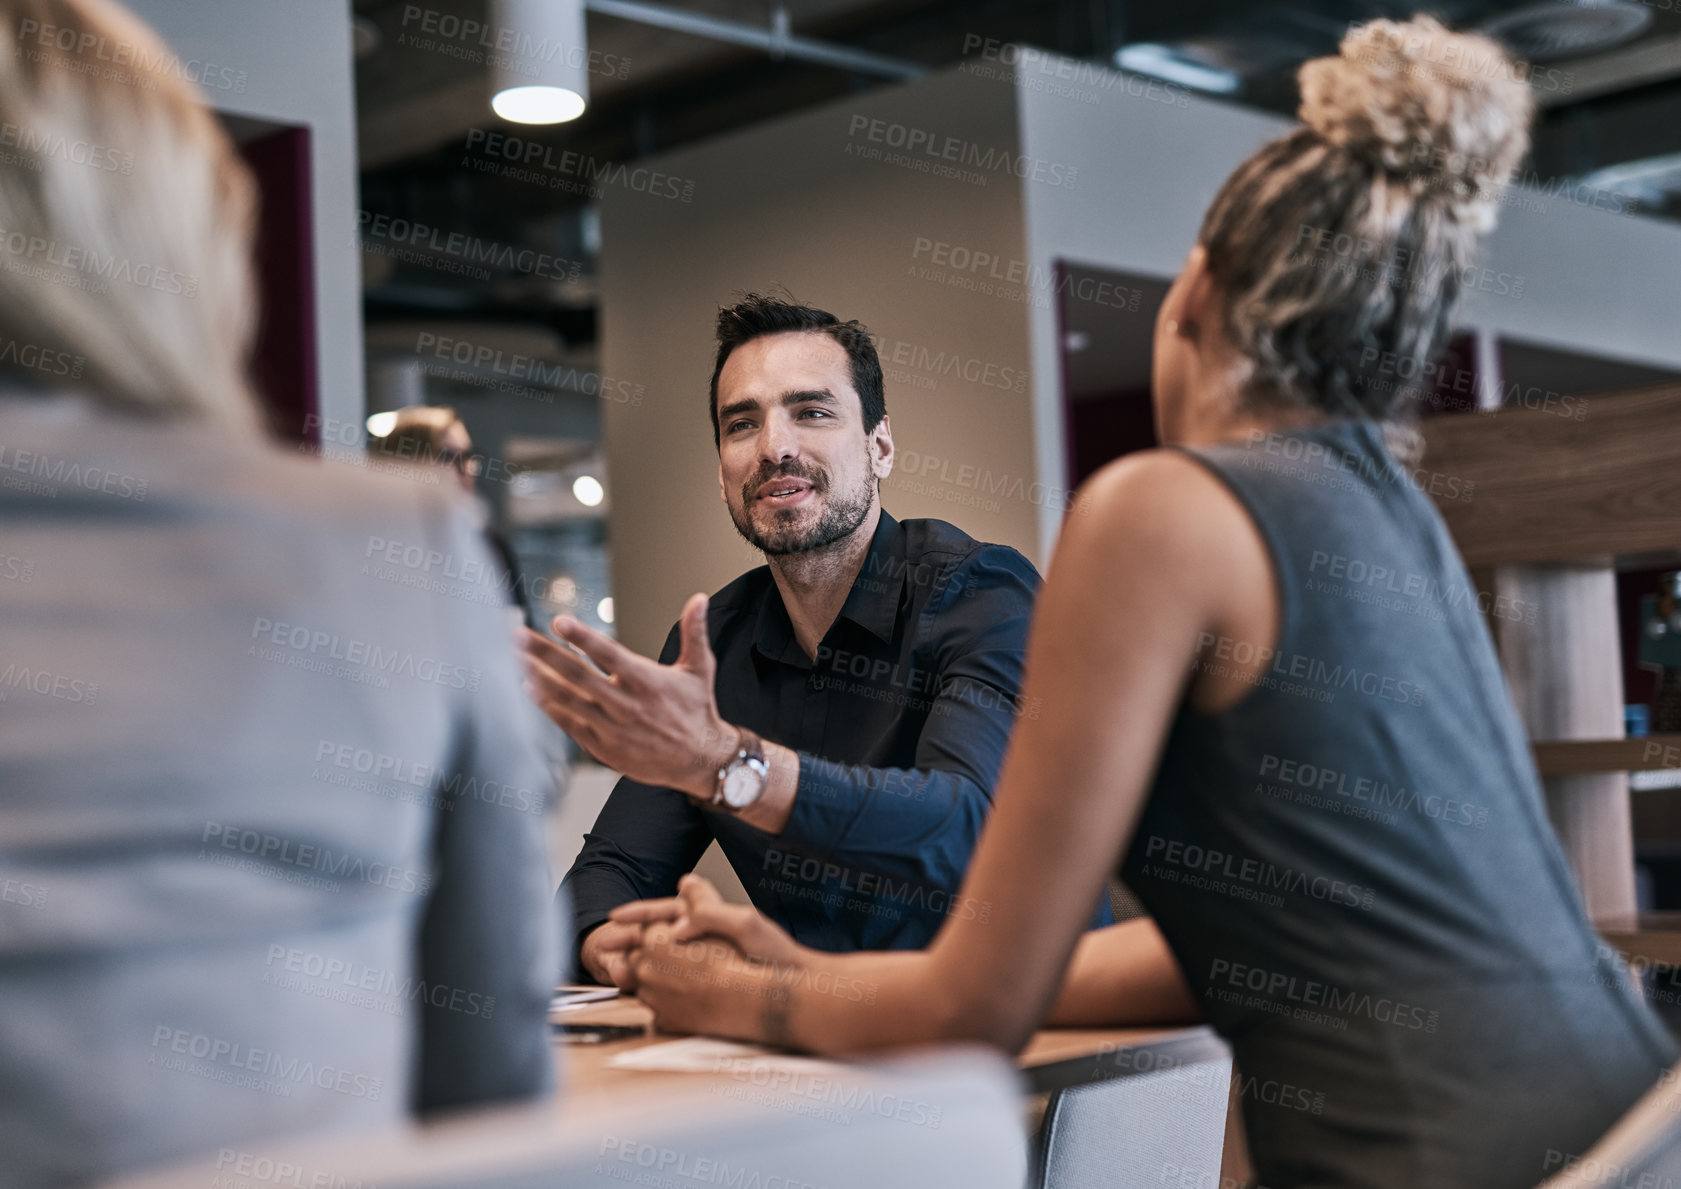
(539, 61)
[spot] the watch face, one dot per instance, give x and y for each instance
(742, 787)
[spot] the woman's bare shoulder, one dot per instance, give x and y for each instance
(1162, 501)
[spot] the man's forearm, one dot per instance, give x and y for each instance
(594, 892)
(915, 824)
(643, 841)
(584, 965)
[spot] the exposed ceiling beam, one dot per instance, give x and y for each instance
(1651, 61)
(419, 91)
(776, 39)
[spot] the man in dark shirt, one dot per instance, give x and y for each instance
(836, 718)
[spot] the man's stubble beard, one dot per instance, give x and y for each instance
(840, 518)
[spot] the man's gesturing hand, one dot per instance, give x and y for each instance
(655, 723)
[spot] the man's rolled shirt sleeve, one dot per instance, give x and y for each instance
(922, 823)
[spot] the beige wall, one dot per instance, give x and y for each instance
(788, 204)
(291, 64)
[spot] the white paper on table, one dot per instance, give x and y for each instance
(567, 998)
(702, 1054)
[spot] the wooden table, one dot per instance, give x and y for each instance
(1055, 1059)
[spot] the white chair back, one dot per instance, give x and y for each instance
(947, 1117)
(1158, 1119)
(1641, 1151)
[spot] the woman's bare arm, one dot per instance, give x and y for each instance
(1123, 975)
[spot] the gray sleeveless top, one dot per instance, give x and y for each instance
(1354, 864)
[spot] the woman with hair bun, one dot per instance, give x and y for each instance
(1314, 779)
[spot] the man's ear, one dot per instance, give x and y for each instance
(881, 448)
(723, 493)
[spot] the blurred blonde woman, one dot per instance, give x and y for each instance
(270, 817)
(1213, 706)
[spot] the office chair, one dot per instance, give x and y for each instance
(1158, 1119)
(1643, 1148)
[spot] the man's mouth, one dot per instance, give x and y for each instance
(781, 493)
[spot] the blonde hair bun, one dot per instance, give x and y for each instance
(1448, 112)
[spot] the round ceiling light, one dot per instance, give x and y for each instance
(538, 105)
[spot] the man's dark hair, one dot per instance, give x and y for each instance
(756, 315)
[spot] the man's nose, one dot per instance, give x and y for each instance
(777, 440)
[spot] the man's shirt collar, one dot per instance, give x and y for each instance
(872, 604)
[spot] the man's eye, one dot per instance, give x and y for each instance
(735, 425)
(814, 413)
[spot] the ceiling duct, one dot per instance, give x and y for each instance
(1653, 184)
(1569, 28)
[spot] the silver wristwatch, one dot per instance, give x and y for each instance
(742, 781)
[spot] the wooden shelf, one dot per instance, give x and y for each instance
(1574, 757)
(1653, 938)
(1557, 501)
(1522, 486)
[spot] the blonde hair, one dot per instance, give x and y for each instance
(126, 219)
(1339, 249)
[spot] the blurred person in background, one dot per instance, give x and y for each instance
(434, 434)
(431, 434)
(271, 819)
(1426, 977)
